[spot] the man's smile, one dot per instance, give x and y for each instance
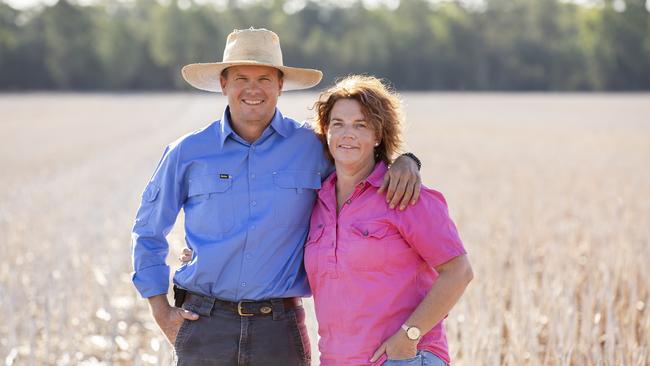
(252, 101)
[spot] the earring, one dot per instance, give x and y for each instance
(376, 144)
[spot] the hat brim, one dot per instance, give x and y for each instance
(205, 76)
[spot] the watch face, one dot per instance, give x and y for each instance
(413, 333)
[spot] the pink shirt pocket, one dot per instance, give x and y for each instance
(368, 245)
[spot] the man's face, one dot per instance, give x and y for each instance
(252, 93)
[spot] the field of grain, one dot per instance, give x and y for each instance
(551, 194)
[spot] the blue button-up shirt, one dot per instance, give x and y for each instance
(247, 209)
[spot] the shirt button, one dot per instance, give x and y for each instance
(243, 284)
(253, 176)
(253, 227)
(249, 256)
(348, 201)
(253, 203)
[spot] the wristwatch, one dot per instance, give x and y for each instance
(415, 159)
(413, 333)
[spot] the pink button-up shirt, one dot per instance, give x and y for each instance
(370, 267)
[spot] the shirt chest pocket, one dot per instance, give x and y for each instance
(367, 246)
(209, 205)
(294, 193)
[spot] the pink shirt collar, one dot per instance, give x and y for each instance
(375, 179)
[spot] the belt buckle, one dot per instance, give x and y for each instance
(239, 309)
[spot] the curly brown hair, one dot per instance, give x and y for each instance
(380, 104)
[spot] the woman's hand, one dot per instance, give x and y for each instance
(402, 183)
(397, 347)
(186, 256)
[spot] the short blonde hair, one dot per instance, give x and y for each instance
(381, 107)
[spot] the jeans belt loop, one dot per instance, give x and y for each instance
(278, 308)
(207, 305)
(199, 304)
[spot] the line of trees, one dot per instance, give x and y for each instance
(418, 45)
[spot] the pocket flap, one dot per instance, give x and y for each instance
(297, 179)
(315, 233)
(150, 193)
(208, 184)
(376, 230)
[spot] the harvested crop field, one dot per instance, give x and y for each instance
(551, 194)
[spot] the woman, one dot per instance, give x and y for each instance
(383, 280)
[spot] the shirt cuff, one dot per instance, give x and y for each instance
(152, 281)
(445, 257)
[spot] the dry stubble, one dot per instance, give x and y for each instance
(551, 194)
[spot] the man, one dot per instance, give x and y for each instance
(247, 184)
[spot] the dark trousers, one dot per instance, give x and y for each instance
(223, 337)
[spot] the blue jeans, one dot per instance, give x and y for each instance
(221, 337)
(423, 358)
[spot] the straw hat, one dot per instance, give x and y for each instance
(257, 47)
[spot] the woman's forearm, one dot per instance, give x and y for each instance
(454, 276)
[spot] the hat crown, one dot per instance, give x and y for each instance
(250, 47)
(256, 45)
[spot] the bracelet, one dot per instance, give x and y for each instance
(415, 158)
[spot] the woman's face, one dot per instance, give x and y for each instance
(350, 138)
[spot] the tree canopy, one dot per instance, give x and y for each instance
(537, 45)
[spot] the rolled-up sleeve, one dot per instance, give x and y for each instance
(161, 201)
(427, 227)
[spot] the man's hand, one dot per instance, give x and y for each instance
(169, 318)
(402, 183)
(397, 347)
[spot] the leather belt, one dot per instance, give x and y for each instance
(251, 308)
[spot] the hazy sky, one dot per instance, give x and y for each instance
(21, 4)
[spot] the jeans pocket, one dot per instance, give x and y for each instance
(300, 336)
(182, 334)
(429, 359)
(413, 361)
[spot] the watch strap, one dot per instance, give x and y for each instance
(415, 159)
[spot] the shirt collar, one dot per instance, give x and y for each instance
(225, 130)
(376, 178)
(329, 183)
(278, 123)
